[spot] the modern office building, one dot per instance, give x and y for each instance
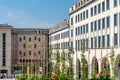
(97, 24)
(23, 48)
(59, 40)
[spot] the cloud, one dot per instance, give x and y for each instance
(11, 15)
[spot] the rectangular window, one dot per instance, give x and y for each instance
(86, 43)
(95, 10)
(76, 19)
(103, 6)
(99, 8)
(107, 4)
(103, 23)
(91, 26)
(71, 21)
(71, 33)
(99, 24)
(95, 42)
(78, 44)
(86, 28)
(81, 29)
(108, 40)
(86, 14)
(115, 19)
(95, 25)
(103, 41)
(76, 31)
(115, 3)
(115, 39)
(91, 42)
(108, 21)
(99, 42)
(83, 15)
(4, 50)
(92, 11)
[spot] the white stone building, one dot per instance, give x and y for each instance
(97, 22)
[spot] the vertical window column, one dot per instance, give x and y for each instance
(115, 39)
(4, 50)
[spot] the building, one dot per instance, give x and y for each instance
(59, 40)
(23, 48)
(5, 48)
(97, 23)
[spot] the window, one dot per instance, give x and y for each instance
(95, 25)
(115, 3)
(24, 46)
(29, 52)
(91, 42)
(99, 8)
(78, 44)
(115, 19)
(39, 39)
(103, 23)
(71, 21)
(86, 14)
(35, 45)
(76, 31)
(99, 24)
(103, 6)
(107, 4)
(95, 10)
(91, 26)
(81, 30)
(115, 39)
(95, 42)
(108, 21)
(92, 11)
(86, 28)
(83, 15)
(76, 19)
(103, 41)
(20, 39)
(108, 40)
(99, 41)
(29, 39)
(71, 33)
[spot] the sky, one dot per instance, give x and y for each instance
(34, 13)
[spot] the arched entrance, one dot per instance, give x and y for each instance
(117, 65)
(78, 69)
(95, 67)
(105, 65)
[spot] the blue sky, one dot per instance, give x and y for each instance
(34, 13)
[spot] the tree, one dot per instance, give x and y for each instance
(83, 64)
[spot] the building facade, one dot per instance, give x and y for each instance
(5, 49)
(25, 49)
(97, 23)
(59, 40)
